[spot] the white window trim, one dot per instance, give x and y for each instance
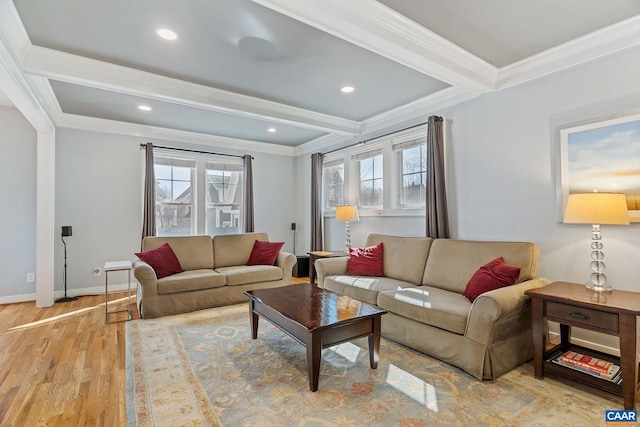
(391, 173)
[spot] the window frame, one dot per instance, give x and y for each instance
(202, 163)
(392, 174)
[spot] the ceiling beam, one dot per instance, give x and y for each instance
(381, 30)
(66, 67)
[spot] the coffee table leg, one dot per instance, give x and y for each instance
(374, 343)
(314, 354)
(254, 320)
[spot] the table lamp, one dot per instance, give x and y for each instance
(596, 209)
(345, 214)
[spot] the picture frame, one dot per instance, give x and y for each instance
(601, 154)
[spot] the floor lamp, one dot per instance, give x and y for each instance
(66, 232)
(346, 214)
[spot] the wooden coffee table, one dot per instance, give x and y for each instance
(316, 318)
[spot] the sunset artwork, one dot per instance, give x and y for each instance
(605, 157)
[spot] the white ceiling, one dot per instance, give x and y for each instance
(239, 67)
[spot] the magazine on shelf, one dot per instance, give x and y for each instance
(614, 376)
(592, 363)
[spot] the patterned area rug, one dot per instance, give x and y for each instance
(203, 369)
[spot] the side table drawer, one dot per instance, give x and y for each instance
(589, 318)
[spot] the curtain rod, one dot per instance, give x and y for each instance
(193, 151)
(375, 137)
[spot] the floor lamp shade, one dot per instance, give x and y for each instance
(346, 214)
(597, 209)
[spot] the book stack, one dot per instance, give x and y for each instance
(589, 365)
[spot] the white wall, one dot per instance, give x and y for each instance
(99, 182)
(18, 212)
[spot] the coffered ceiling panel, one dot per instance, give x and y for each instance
(238, 68)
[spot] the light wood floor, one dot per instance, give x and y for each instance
(62, 366)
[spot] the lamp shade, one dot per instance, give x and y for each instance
(597, 208)
(347, 213)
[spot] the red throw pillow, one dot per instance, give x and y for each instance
(366, 261)
(493, 275)
(163, 261)
(264, 253)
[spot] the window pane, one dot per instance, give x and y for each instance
(162, 172)
(414, 176)
(371, 182)
(222, 214)
(366, 169)
(333, 186)
(174, 214)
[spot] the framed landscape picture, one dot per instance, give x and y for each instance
(602, 155)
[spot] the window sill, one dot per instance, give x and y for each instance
(384, 213)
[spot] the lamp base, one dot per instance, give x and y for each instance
(599, 288)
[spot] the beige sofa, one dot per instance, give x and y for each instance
(423, 293)
(215, 274)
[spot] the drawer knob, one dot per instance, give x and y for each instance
(579, 315)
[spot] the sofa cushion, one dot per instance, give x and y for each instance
(235, 249)
(363, 288)
(191, 280)
(193, 252)
(432, 306)
(264, 253)
(162, 259)
(245, 274)
(493, 275)
(452, 263)
(404, 257)
(366, 261)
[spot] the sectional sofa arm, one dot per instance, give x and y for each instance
(330, 267)
(495, 315)
(145, 275)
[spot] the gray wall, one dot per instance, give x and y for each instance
(501, 171)
(18, 212)
(99, 183)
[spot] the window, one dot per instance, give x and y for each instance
(333, 184)
(370, 185)
(174, 201)
(386, 177)
(198, 195)
(224, 197)
(413, 175)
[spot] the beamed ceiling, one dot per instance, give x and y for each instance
(241, 67)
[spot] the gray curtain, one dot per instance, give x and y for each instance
(248, 194)
(317, 242)
(149, 210)
(436, 198)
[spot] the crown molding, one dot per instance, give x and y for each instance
(416, 110)
(379, 29)
(84, 71)
(616, 37)
(17, 86)
(73, 121)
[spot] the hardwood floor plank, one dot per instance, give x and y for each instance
(62, 365)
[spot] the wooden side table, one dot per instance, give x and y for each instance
(612, 313)
(314, 255)
(111, 267)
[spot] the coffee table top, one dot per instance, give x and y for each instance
(314, 307)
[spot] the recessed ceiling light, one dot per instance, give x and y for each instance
(166, 34)
(272, 130)
(347, 89)
(144, 107)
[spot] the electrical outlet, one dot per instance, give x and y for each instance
(97, 271)
(31, 277)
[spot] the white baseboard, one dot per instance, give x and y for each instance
(555, 337)
(95, 290)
